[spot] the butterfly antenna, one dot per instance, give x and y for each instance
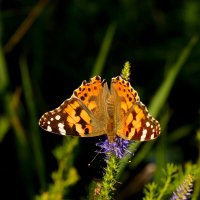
(95, 156)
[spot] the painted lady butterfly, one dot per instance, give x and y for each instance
(93, 110)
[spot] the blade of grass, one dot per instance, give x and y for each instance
(25, 26)
(4, 121)
(161, 96)
(5, 125)
(105, 47)
(10, 104)
(162, 146)
(24, 154)
(33, 122)
(3, 72)
(180, 132)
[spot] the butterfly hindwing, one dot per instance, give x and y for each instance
(139, 125)
(66, 118)
(133, 122)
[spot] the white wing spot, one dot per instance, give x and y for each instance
(52, 112)
(61, 129)
(147, 124)
(151, 126)
(58, 109)
(48, 122)
(152, 136)
(60, 125)
(51, 119)
(144, 133)
(49, 128)
(57, 117)
(153, 130)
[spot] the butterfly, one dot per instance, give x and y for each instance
(94, 110)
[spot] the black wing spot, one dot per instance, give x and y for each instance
(86, 131)
(84, 82)
(82, 98)
(98, 78)
(127, 133)
(78, 112)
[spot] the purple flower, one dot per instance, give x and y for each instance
(118, 147)
(184, 190)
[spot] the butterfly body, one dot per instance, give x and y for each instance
(94, 110)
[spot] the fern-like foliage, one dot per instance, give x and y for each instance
(104, 190)
(184, 190)
(173, 179)
(66, 175)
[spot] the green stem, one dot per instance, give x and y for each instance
(162, 192)
(109, 179)
(104, 50)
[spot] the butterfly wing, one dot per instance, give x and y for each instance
(132, 120)
(82, 114)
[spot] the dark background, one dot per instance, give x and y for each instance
(60, 49)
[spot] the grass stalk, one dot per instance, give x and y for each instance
(33, 122)
(104, 50)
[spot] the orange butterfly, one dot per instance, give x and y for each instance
(94, 110)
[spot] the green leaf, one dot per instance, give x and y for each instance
(5, 125)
